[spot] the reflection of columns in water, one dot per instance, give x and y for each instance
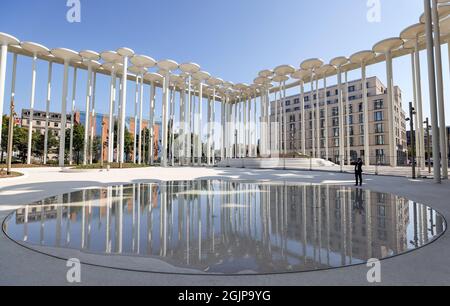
(119, 221)
(89, 222)
(425, 224)
(108, 219)
(83, 222)
(327, 209)
(343, 204)
(304, 220)
(59, 216)
(150, 220)
(25, 227)
(416, 234)
(69, 200)
(319, 208)
(133, 230)
(369, 223)
(349, 227)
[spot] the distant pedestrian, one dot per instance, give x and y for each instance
(359, 172)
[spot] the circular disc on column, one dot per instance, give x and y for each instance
(112, 67)
(410, 44)
(261, 80)
(413, 31)
(190, 68)
(6, 39)
(362, 57)
(266, 73)
(143, 61)
(201, 76)
(240, 86)
(214, 82)
(445, 26)
(167, 65)
(110, 57)
(284, 70)
(300, 74)
(280, 78)
(443, 11)
(94, 64)
(125, 52)
(310, 64)
(326, 70)
(153, 77)
(35, 48)
(90, 55)
(339, 61)
(228, 85)
(66, 54)
(137, 70)
(388, 45)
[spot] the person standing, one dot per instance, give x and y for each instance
(359, 172)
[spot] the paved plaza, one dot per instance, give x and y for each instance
(20, 266)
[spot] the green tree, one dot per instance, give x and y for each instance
(39, 142)
(78, 142)
(4, 144)
(20, 141)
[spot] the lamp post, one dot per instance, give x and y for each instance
(35, 49)
(362, 58)
(427, 124)
(67, 56)
(412, 113)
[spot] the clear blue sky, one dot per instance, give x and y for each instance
(231, 39)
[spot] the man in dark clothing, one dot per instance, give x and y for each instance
(359, 172)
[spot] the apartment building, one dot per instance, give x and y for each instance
(379, 131)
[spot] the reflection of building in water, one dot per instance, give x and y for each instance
(222, 226)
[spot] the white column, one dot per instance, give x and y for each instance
(223, 129)
(9, 150)
(72, 119)
(366, 116)
(416, 118)
(62, 142)
(141, 130)
(349, 161)
(421, 138)
(390, 97)
(152, 124)
(3, 63)
(303, 121)
(32, 99)
(123, 110)
(189, 124)
(319, 155)
(440, 91)
(285, 124)
(200, 124)
(172, 126)
(165, 134)
(327, 153)
(341, 119)
(433, 96)
(93, 121)
(313, 133)
(47, 110)
(86, 111)
(136, 102)
(182, 134)
(112, 98)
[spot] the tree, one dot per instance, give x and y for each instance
(78, 141)
(20, 140)
(39, 144)
(4, 144)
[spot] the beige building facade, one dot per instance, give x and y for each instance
(379, 132)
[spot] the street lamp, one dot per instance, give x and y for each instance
(412, 113)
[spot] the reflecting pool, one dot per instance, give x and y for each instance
(225, 227)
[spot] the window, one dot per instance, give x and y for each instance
(335, 111)
(352, 132)
(378, 104)
(288, 102)
(336, 142)
(379, 128)
(335, 132)
(296, 101)
(361, 129)
(335, 121)
(352, 98)
(379, 140)
(378, 116)
(351, 89)
(361, 118)
(360, 107)
(350, 119)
